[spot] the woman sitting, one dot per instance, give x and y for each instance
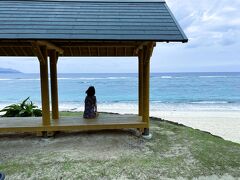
(90, 110)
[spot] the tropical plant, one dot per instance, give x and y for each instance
(25, 109)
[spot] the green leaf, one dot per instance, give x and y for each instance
(24, 102)
(24, 109)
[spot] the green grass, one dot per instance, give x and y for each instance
(174, 151)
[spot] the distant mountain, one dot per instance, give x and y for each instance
(7, 70)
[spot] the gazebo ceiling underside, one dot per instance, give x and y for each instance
(72, 48)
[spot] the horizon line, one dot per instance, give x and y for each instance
(126, 72)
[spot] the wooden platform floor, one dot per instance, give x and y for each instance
(103, 121)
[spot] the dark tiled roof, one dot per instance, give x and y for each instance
(89, 20)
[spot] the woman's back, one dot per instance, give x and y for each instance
(90, 110)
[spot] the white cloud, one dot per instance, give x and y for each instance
(211, 23)
(228, 9)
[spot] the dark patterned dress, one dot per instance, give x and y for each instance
(90, 110)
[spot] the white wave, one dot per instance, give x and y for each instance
(65, 78)
(132, 107)
(118, 77)
(155, 106)
(156, 102)
(21, 79)
(213, 76)
(6, 79)
(170, 77)
(33, 79)
(93, 78)
(180, 77)
(166, 77)
(121, 108)
(210, 102)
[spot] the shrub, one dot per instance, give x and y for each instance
(24, 109)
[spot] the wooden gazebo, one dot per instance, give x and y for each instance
(49, 29)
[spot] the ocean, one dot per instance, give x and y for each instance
(119, 92)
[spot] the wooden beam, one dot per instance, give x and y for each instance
(37, 51)
(15, 44)
(70, 50)
(146, 71)
(80, 51)
(54, 84)
(140, 46)
(147, 53)
(4, 51)
(60, 45)
(23, 51)
(98, 51)
(50, 46)
(140, 82)
(74, 127)
(44, 87)
(31, 124)
(13, 50)
(97, 43)
(89, 51)
(57, 56)
(150, 47)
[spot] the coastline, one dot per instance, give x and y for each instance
(220, 121)
(223, 122)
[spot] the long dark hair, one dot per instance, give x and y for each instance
(90, 91)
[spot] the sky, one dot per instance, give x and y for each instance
(213, 30)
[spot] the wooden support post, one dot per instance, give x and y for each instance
(140, 83)
(146, 79)
(44, 86)
(147, 53)
(54, 84)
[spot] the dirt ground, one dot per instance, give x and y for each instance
(174, 152)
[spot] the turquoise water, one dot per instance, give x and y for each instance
(168, 90)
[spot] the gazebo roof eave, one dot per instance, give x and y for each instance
(96, 1)
(185, 40)
(72, 48)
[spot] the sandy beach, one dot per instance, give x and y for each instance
(225, 124)
(220, 122)
(217, 121)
